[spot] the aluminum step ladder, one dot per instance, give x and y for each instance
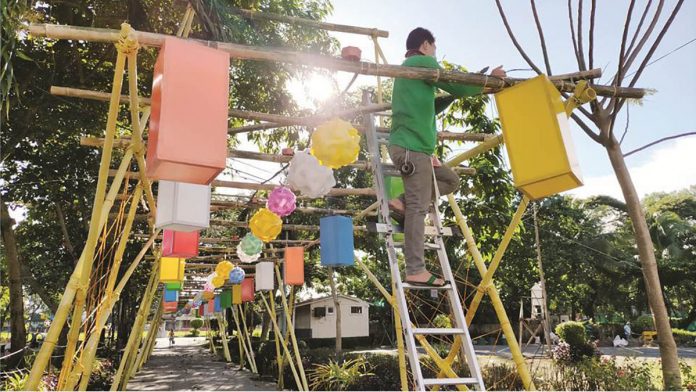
(434, 241)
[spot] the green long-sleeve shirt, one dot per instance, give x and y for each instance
(414, 108)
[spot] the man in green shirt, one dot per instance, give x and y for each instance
(412, 144)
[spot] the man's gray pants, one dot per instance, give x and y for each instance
(418, 194)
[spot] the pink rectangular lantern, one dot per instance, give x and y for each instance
(180, 243)
(248, 289)
(188, 126)
(210, 307)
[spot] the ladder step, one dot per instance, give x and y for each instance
(438, 331)
(384, 228)
(428, 245)
(420, 287)
(449, 381)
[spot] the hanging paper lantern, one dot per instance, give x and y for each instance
(281, 201)
(309, 177)
(250, 245)
(208, 286)
(265, 225)
(223, 268)
(237, 275)
(218, 281)
(197, 303)
(245, 258)
(208, 295)
(335, 143)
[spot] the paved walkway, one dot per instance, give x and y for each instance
(189, 365)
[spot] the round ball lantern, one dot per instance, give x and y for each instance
(307, 176)
(208, 286)
(265, 225)
(223, 268)
(335, 143)
(245, 258)
(281, 201)
(237, 275)
(218, 281)
(208, 295)
(250, 245)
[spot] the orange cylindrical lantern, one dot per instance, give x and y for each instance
(293, 267)
(210, 307)
(248, 289)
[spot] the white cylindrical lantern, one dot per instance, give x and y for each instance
(264, 276)
(182, 206)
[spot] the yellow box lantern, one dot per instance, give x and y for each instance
(172, 269)
(537, 138)
(236, 294)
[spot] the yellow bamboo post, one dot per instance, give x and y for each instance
(479, 149)
(279, 355)
(291, 329)
(150, 340)
(223, 337)
(247, 337)
(240, 339)
(286, 335)
(210, 334)
(298, 381)
(133, 338)
(400, 345)
(131, 366)
(505, 325)
(86, 360)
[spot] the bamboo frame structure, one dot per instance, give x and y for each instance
(243, 52)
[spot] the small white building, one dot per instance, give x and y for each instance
(316, 318)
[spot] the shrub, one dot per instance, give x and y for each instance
(604, 374)
(643, 323)
(572, 332)
(501, 377)
(102, 376)
(196, 323)
(338, 377)
(194, 333)
(384, 374)
(688, 376)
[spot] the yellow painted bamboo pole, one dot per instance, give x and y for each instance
(150, 341)
(240, 339)
(247, 337)
(286, 335)
(424, 342)
(295, 374)
(279, 355)
(505, 325)
(479, 149)
(400, 345)
(487, 279)
(210, 335)
(223, 337)
(133, 338)
(291, 329)
(132, 365)
(86, 360)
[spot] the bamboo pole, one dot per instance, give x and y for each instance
(403, 377)
(249, 14)
(240, 339)
(276, 333)
(128, 352)
(270, 187)
(485, 146)
(291, 329)
(505, 325)
(247, 337)
(244, 52)
(223, 337)
(298, 380)
(154, 327)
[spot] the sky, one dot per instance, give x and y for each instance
(471, 33)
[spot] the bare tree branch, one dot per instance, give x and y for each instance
(541, 38)
(64, 229)
(628, 119)
(514, 40)
(640, 25)
(581, 53)
(572, 31)
(594, 136)
(591, 33)
(622, 52)
(659, 141)
(632, 56)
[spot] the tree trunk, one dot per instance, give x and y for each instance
(653, 288)
(18, 338)
(337, 312)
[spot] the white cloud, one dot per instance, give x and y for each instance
(670, 167)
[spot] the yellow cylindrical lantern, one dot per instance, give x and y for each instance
(237, 294)
(172, 269)
(265, 225)
(335, 143)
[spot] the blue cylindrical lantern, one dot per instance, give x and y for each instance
(217, 307)
(171, 295)
(336, 238)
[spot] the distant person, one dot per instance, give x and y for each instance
(171, 337)
(627, 330)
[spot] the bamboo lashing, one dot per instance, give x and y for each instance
(245, 52)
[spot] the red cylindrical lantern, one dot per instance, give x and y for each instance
(210, 307)
(248, 289)
(180, 243)
(293, 267)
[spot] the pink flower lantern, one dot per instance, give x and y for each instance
(281, 201)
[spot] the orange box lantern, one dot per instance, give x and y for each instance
(180, 243)
(293, 268)
(188, 124)
(236, 294)
(170, 307)
(248, 289)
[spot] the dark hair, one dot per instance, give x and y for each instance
(417, 37)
